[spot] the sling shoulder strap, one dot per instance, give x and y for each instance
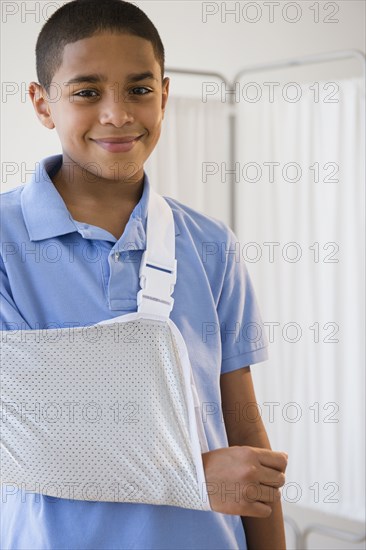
(158, 268)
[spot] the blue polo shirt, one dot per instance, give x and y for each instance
(57, 272)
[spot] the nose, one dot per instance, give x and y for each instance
(116, 111)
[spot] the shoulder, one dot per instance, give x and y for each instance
(203, 244)
(203, 228)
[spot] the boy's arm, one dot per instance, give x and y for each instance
(236, 392)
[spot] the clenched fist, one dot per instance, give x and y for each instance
(243, 480)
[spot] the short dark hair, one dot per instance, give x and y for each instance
(84, 18)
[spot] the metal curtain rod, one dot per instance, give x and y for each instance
(292, 62)
(305, 60)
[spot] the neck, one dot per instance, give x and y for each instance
(87, 190)
(98, 201)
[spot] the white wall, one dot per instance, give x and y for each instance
(226, 45)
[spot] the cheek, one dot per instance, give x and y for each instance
(153, 124)
(152, 116)
(70, 122)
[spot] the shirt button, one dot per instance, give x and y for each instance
(116, 255)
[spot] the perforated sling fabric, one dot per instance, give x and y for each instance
(99, 415)
(108, 412)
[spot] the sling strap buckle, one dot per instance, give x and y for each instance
(157, 285)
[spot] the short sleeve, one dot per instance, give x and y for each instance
(243, 338)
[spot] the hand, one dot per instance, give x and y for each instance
(243, 480)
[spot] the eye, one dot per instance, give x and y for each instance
(147, 90)
(87, 93)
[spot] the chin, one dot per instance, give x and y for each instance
(117, 173)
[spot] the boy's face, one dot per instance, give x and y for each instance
(107, 105)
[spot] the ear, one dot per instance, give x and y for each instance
(165, 94)
(41, 106)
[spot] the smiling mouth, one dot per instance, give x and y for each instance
(117, 145)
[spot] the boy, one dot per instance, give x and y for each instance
(100, 67)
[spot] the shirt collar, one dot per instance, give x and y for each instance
(46, 215)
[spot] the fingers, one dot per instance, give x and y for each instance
(272, 459)
(257, 492)
(274, 478)
(244, 480)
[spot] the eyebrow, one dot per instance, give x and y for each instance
(96, 78)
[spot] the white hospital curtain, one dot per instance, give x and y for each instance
(186, 162)
(301, 231)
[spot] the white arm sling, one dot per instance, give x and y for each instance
(108, 412)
